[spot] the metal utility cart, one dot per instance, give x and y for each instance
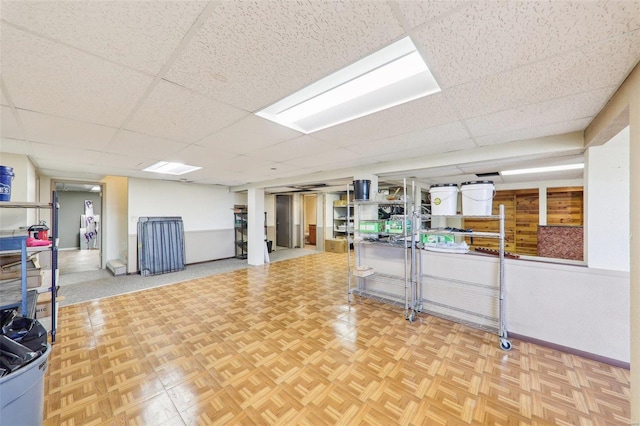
(19, 296)
(438, 302)
(383, 245)
(240, 226)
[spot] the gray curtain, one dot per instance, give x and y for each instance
(160, 245)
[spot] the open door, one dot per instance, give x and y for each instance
(309, 216)
(79, 226)
(283, 221)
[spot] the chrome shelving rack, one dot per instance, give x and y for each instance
(399, 290)
(431, 307)
(18, 245)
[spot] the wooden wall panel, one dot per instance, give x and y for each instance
(565, 206)
(480, 225)
(527, 219)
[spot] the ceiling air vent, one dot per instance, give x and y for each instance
(490, 174)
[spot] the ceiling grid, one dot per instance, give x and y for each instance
(91, 89)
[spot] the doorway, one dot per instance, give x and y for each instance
(79, 226)
(283, 221)
(309, 215)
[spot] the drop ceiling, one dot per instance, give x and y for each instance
(91, 89)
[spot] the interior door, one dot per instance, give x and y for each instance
(283, 221)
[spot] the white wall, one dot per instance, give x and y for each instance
(607, 204)
(206, 211)
(202, 207)
(574, 306)
(114, 219)
(23, 188)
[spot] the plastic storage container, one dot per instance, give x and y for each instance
(22, 393)
(477, 198)
(444, 199)
(361, 189)
(6, 176)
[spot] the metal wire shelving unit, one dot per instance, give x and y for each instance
(396, 289)
(474, 302)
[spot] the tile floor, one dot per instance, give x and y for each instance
(279, 344)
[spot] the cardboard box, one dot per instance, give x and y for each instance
(34, 277)
(335, 245)
(340, 203)
(43, 305)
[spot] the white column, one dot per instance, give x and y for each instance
(634, 201)
(255, 226)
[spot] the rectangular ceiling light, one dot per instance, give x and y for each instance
(543, 169)
(389, 77)
(167, 168)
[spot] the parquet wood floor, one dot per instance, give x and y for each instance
(279, 344)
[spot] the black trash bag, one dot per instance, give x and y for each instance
(29, 332)
(6, 316)
(13, 355)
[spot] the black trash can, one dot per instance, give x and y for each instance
(361, 189)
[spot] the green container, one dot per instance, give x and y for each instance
(370, 226)
(438, 238)
(395, 226)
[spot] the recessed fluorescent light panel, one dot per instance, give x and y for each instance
(167, 168)
(543, 169)
(389, 77)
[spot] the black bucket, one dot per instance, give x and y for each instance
(361, 189)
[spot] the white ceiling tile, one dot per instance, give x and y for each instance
(432, 140)
(123, 161)
(327, 160)
(140, 34)
(292, 149)
(50, 78)
(15, 146)
(509, 34)
(9, 127)
(68, 171)
(202, 156)
(253, 53)
(248, 135)
(534, 132)
(173, 112)
(419, 12)
(78, 156)
(147, 146)
(420, 114)
(248, 165)
(432, 172)
(575, 107)
(3, 98)
(537, 160)
(65, 132)
(587, 69)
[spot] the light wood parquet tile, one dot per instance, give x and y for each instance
(279, 344)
